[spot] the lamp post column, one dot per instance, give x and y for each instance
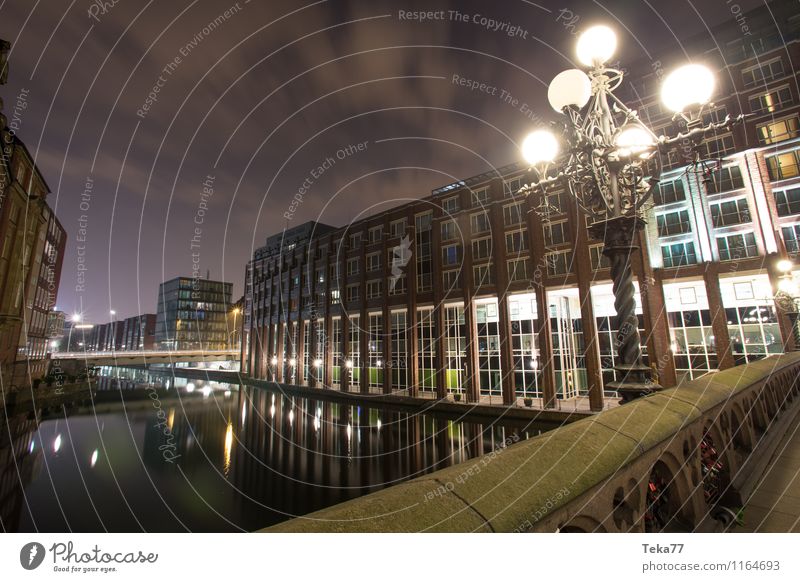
(633, 377)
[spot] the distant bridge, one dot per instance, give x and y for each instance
(71, 361)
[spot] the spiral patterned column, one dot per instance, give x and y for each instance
(633, 377)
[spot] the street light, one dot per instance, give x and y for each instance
(610, 162)
(113, 341)
(236, 311)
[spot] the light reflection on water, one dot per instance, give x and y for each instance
(177, 455)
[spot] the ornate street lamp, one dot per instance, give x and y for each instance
(788, 298)
(610, 162)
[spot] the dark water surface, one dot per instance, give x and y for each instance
(160, 454)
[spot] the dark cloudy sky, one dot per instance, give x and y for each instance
(260, 101)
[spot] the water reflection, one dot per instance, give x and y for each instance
(154, 453)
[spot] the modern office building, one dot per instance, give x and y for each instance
(138, 333)
(192, 314)
(487, 294)
(135, 333)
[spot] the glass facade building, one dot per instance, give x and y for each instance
(192, 314)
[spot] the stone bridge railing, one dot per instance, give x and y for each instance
(679, 460)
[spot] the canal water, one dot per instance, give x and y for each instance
(160, 454)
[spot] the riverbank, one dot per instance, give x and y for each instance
(43, 396)
(396, 402)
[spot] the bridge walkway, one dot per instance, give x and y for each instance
(774, 504)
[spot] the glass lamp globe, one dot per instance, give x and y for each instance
(570, 87)
(596, 45)
(540, 146)
(687, 85)
(634, 140)
(785, 265)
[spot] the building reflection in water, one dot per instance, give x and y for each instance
(216, 458)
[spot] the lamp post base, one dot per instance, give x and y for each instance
(635, 382)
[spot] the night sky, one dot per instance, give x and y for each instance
(249, 108)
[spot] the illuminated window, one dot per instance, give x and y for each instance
(306, 353)
(780, 130)
(375, 347)
(522, 310)
(426, 356)
(490, 372)
(399, 350)
(771, 101)
(783, 166)
(455, 347)
(319, 363)
(354, 351)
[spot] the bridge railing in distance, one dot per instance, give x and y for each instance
(132, 353)
(679, 460)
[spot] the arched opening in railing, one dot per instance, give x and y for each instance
(625, 505)
(721, 498)
(665, 508)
